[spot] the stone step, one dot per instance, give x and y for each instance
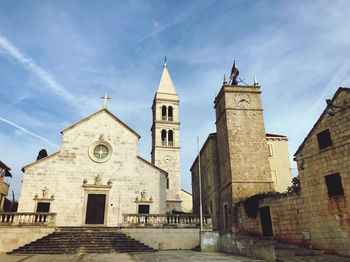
(83, 251)
(84, 244)
(83, 240)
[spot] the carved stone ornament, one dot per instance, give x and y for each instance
(143, 197)
(97, 183)
(44, 195)
(45, 192)
(98, 180)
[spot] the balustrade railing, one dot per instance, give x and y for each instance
(27, 218)
(166, 220)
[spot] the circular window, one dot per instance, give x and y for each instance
(100, 151)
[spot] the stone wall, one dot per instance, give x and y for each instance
(14, 237)
(294, 223)
(165, 238)
(243, 246)
(286, 215)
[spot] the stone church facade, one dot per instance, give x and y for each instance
(98, 176)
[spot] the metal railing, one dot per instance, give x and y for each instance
(166, 220)
(27, 218)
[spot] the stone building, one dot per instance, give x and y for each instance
(98, 176)
(324, 168)
(279, 161)
(186, 204)
(318, 215)
(279, 164)
(240, 159)
(4, 187)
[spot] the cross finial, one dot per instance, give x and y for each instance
(165, 60)
(105, 97)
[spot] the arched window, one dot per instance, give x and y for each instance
(170, 138)
(163, 135)
(163, 112)
(170, 113)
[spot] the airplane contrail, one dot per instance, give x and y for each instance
(28, 63)
(28, 132)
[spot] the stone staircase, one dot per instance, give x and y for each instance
(71, 240)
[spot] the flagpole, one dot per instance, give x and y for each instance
(200, 186)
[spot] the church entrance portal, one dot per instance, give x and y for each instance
(95, 211)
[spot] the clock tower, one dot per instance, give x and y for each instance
(166, 137)
(242, 147)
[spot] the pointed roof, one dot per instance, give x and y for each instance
(103, 110)
(166, 88)
(340, 89)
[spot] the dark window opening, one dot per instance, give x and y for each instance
(143, 209)
(171, 138)
(167, 183)
(334, 185)
(163, 112)
(170, 113)
(42, 207)
(324, 139)
(266, 222)
(163, 137)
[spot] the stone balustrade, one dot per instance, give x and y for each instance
(166, 220)
(27, 219)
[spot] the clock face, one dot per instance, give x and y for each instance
(242, 100)
(101, 152)
(167, 159)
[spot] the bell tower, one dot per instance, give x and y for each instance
(242, 147)
(166, 137)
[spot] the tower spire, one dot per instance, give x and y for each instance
(165, 60)
(225, 81)
(256, 83)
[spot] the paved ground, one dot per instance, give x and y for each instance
(304, 255)
(166, 256)
(177, 256)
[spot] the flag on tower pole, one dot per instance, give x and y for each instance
(234, 74)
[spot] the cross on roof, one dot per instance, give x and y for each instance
(105, 97)
(165, 60)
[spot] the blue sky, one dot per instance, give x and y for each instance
(58, 57)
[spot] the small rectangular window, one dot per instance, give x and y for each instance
(324, 139)
(270, 150)
(334, 185)
(167, 183)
